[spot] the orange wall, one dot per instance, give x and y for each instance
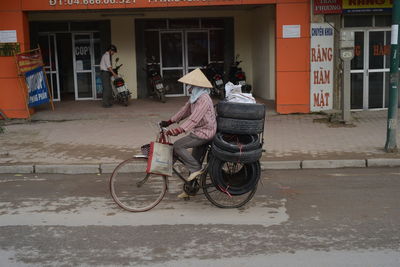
(292, 59)
(12, 94)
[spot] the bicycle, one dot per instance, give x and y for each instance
(137, 191)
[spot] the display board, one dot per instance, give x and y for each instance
(30, 66)
(321, 69)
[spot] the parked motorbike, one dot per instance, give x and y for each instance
(155, 80)
(121, 94)
(238, 76)
(215, 77)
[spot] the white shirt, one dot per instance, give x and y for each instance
(105, 62)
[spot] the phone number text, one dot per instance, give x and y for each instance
(89, 2)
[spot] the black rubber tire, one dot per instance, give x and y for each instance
(239, 126)
(235, 178)
(221, 199)
(237, 143)
(244, 111)
(240, 157)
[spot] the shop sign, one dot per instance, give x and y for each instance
(327, 6)
(291, 31)
(321, 80)
(29, 60)
(8, 36)
(38, 92)
(120, 4)
(356, 6)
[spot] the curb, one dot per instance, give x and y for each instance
(108, 168)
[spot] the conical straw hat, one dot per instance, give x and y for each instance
(196, 78)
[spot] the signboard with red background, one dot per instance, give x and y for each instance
(115, 4)
(327, 6)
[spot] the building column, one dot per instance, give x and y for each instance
(293, 58)
(13, 95)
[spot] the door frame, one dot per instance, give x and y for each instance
(92, 68)
(185, 64)
(172, 68)
(366, 71)
(48, 69)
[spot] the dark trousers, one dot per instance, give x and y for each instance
(107, 90)
(191, 161)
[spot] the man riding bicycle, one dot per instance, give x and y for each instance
(201, 123)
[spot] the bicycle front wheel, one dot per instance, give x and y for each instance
(135, 190)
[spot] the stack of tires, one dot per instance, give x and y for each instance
(237, 143)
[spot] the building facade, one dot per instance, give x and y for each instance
(271, 36)
(371, 23)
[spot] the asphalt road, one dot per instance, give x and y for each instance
(338, 217)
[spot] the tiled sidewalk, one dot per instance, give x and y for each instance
(85, 133)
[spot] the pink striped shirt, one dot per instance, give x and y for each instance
(201, 121)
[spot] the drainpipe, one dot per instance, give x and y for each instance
(391, 144)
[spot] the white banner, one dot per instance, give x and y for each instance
(321, 80)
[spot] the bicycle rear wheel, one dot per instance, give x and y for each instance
(135, 190)
(217, 196)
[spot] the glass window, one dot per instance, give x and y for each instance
(97, 48)
(357, 90)
(358, 21)
(84, 81)
(197, 49)
(212, 23)
(172, 49)
(45, 49)
(375, 94)
(376, 49)
(171, 78)
(357, 63)
(84, 25)
(216, 45)
(152, 45)
(184, 23)
(155, 24)
(383, 21)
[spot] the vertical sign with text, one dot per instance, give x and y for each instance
(38, 93)
(321, 80)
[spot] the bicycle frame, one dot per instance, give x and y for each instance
(163, 139)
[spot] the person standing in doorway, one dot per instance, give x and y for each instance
(106, 72)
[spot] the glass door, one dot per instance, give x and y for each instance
(171, 61)
(370, 69)
(84, 66)
(197, 50)
(48, 47)
(182, 52)
(378, 68)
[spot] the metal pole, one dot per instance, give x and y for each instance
(391, 144)
(346, 92)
